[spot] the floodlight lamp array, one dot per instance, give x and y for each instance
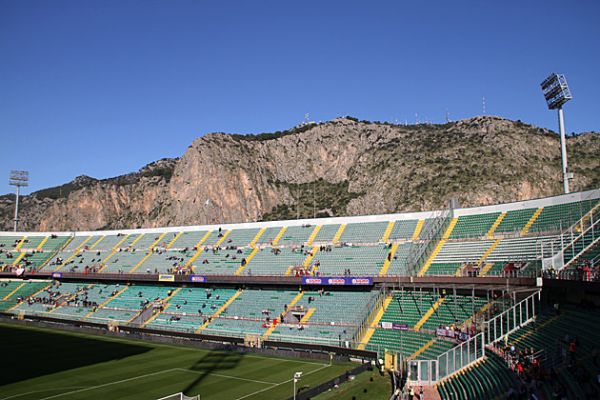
(19, 178)
(556, 91)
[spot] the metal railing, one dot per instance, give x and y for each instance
(428, 372)
(467, 353)
(372, 309)
(512, 319)
(431, 235)
(560, 252)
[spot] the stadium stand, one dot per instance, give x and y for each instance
(470, 226)
(276, 261)
(326, 233)
(561, 369)
(488, 241)
(403, 229)
(421, 313)
(368, 232)
(188, 309)
(243, 281)
(354, 260)
(12, 291)
(241, 237)
(324, 317)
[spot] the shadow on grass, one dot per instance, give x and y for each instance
(30, 353)
(213, 362)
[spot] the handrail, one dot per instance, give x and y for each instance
(567, 239)
(373, 305)
(508, 318)
(432, 235)
(471, 351)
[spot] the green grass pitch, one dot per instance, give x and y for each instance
(39, 363)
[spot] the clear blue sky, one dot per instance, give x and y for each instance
(104, 87)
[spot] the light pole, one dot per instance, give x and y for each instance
(556, 92)
(18, 179)
(297, 376)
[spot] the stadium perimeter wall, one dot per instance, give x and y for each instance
(211, 342)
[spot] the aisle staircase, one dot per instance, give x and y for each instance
(199, 250)
(223, 238)
(418, 229)
(438, 247)
(338, 234)
(105, 302)
(219, 311)
(388, 232)
(166, 305)
(248, 259)
(388, 260)
(15, 290)
(21, 243)
(283, 314)
(531, 221)
(42, 243)
(376, 317)
(139, 264)
(101, 238)
(172, 242)
(481, 262)
(279, 236)
(313, 235)
(490, 233)
(310, 257)
(257, 237)
(429, 313)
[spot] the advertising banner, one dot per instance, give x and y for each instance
(166, 278)
(348, 281)
(452, 334)
(395, 326)
(400, 327)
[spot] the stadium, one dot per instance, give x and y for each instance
(432, 298)
(275, 246)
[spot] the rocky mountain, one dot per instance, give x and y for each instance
(341, 167)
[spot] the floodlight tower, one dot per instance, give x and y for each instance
(297, 376)
(557, 92)
(18, 179)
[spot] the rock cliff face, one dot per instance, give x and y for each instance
(342, 167)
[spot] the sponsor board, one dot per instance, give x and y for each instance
(395, 326)
(197, 278)
(449, 333)
(57, 275)
(350, 281)
(312, 281)
(166, 278)
(400, 327)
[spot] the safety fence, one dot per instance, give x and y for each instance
(467, 353)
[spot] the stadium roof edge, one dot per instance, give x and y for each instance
(541, 202)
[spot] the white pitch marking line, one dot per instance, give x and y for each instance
(110, 383)
(279, 384)
(43, 390)
(228, 376)
(282, 359)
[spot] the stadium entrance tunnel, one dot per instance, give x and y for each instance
(61, 352)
